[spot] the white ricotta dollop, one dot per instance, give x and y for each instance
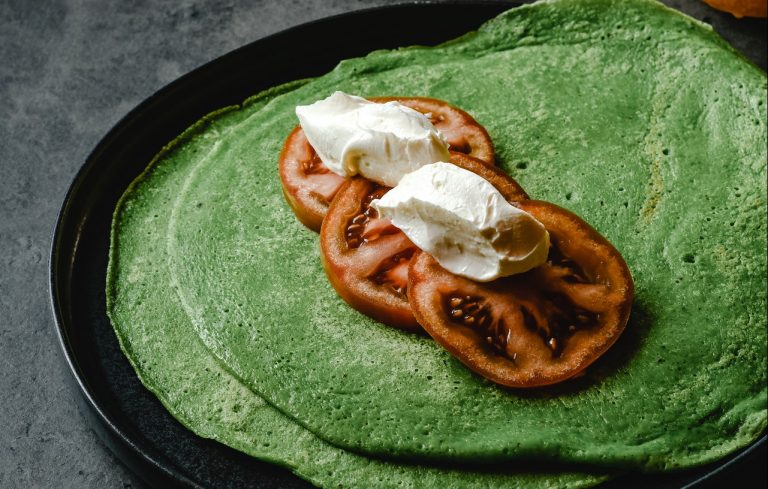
(381, 142)
(461, 219)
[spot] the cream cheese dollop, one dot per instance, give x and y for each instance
(461, 220)
(381, 142)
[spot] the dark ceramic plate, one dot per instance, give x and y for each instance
(131, 421)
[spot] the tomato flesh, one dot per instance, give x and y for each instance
(309, 186)
(536, 328)
(367, 258)
(358, 251)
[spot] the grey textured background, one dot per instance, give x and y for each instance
(69, 70)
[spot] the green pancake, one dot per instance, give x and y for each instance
(170, 360)
(637, 118)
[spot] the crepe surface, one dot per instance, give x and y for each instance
(640, 120)
(158, 339)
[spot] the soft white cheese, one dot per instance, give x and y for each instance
(461, 219)
(381, 142)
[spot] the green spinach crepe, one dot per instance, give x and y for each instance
(635, 117)
(171, 361)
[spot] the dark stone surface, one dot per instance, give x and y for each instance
(69, 70)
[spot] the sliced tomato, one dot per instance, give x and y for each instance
(535, 328)
(309, 186)
(366, 258)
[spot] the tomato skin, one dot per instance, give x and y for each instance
(599, 292)
(309, 186)
(353, 266)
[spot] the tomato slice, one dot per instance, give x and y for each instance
(309, 186)
(536, 328)
(366, 258)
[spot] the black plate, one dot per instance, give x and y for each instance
(129, 418)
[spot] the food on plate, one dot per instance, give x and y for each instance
(309, 185)
(447, 251)
(624, 132)
(534, 328)
(366, 258)
(197, 390)
(636, 118)
(543, 315)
